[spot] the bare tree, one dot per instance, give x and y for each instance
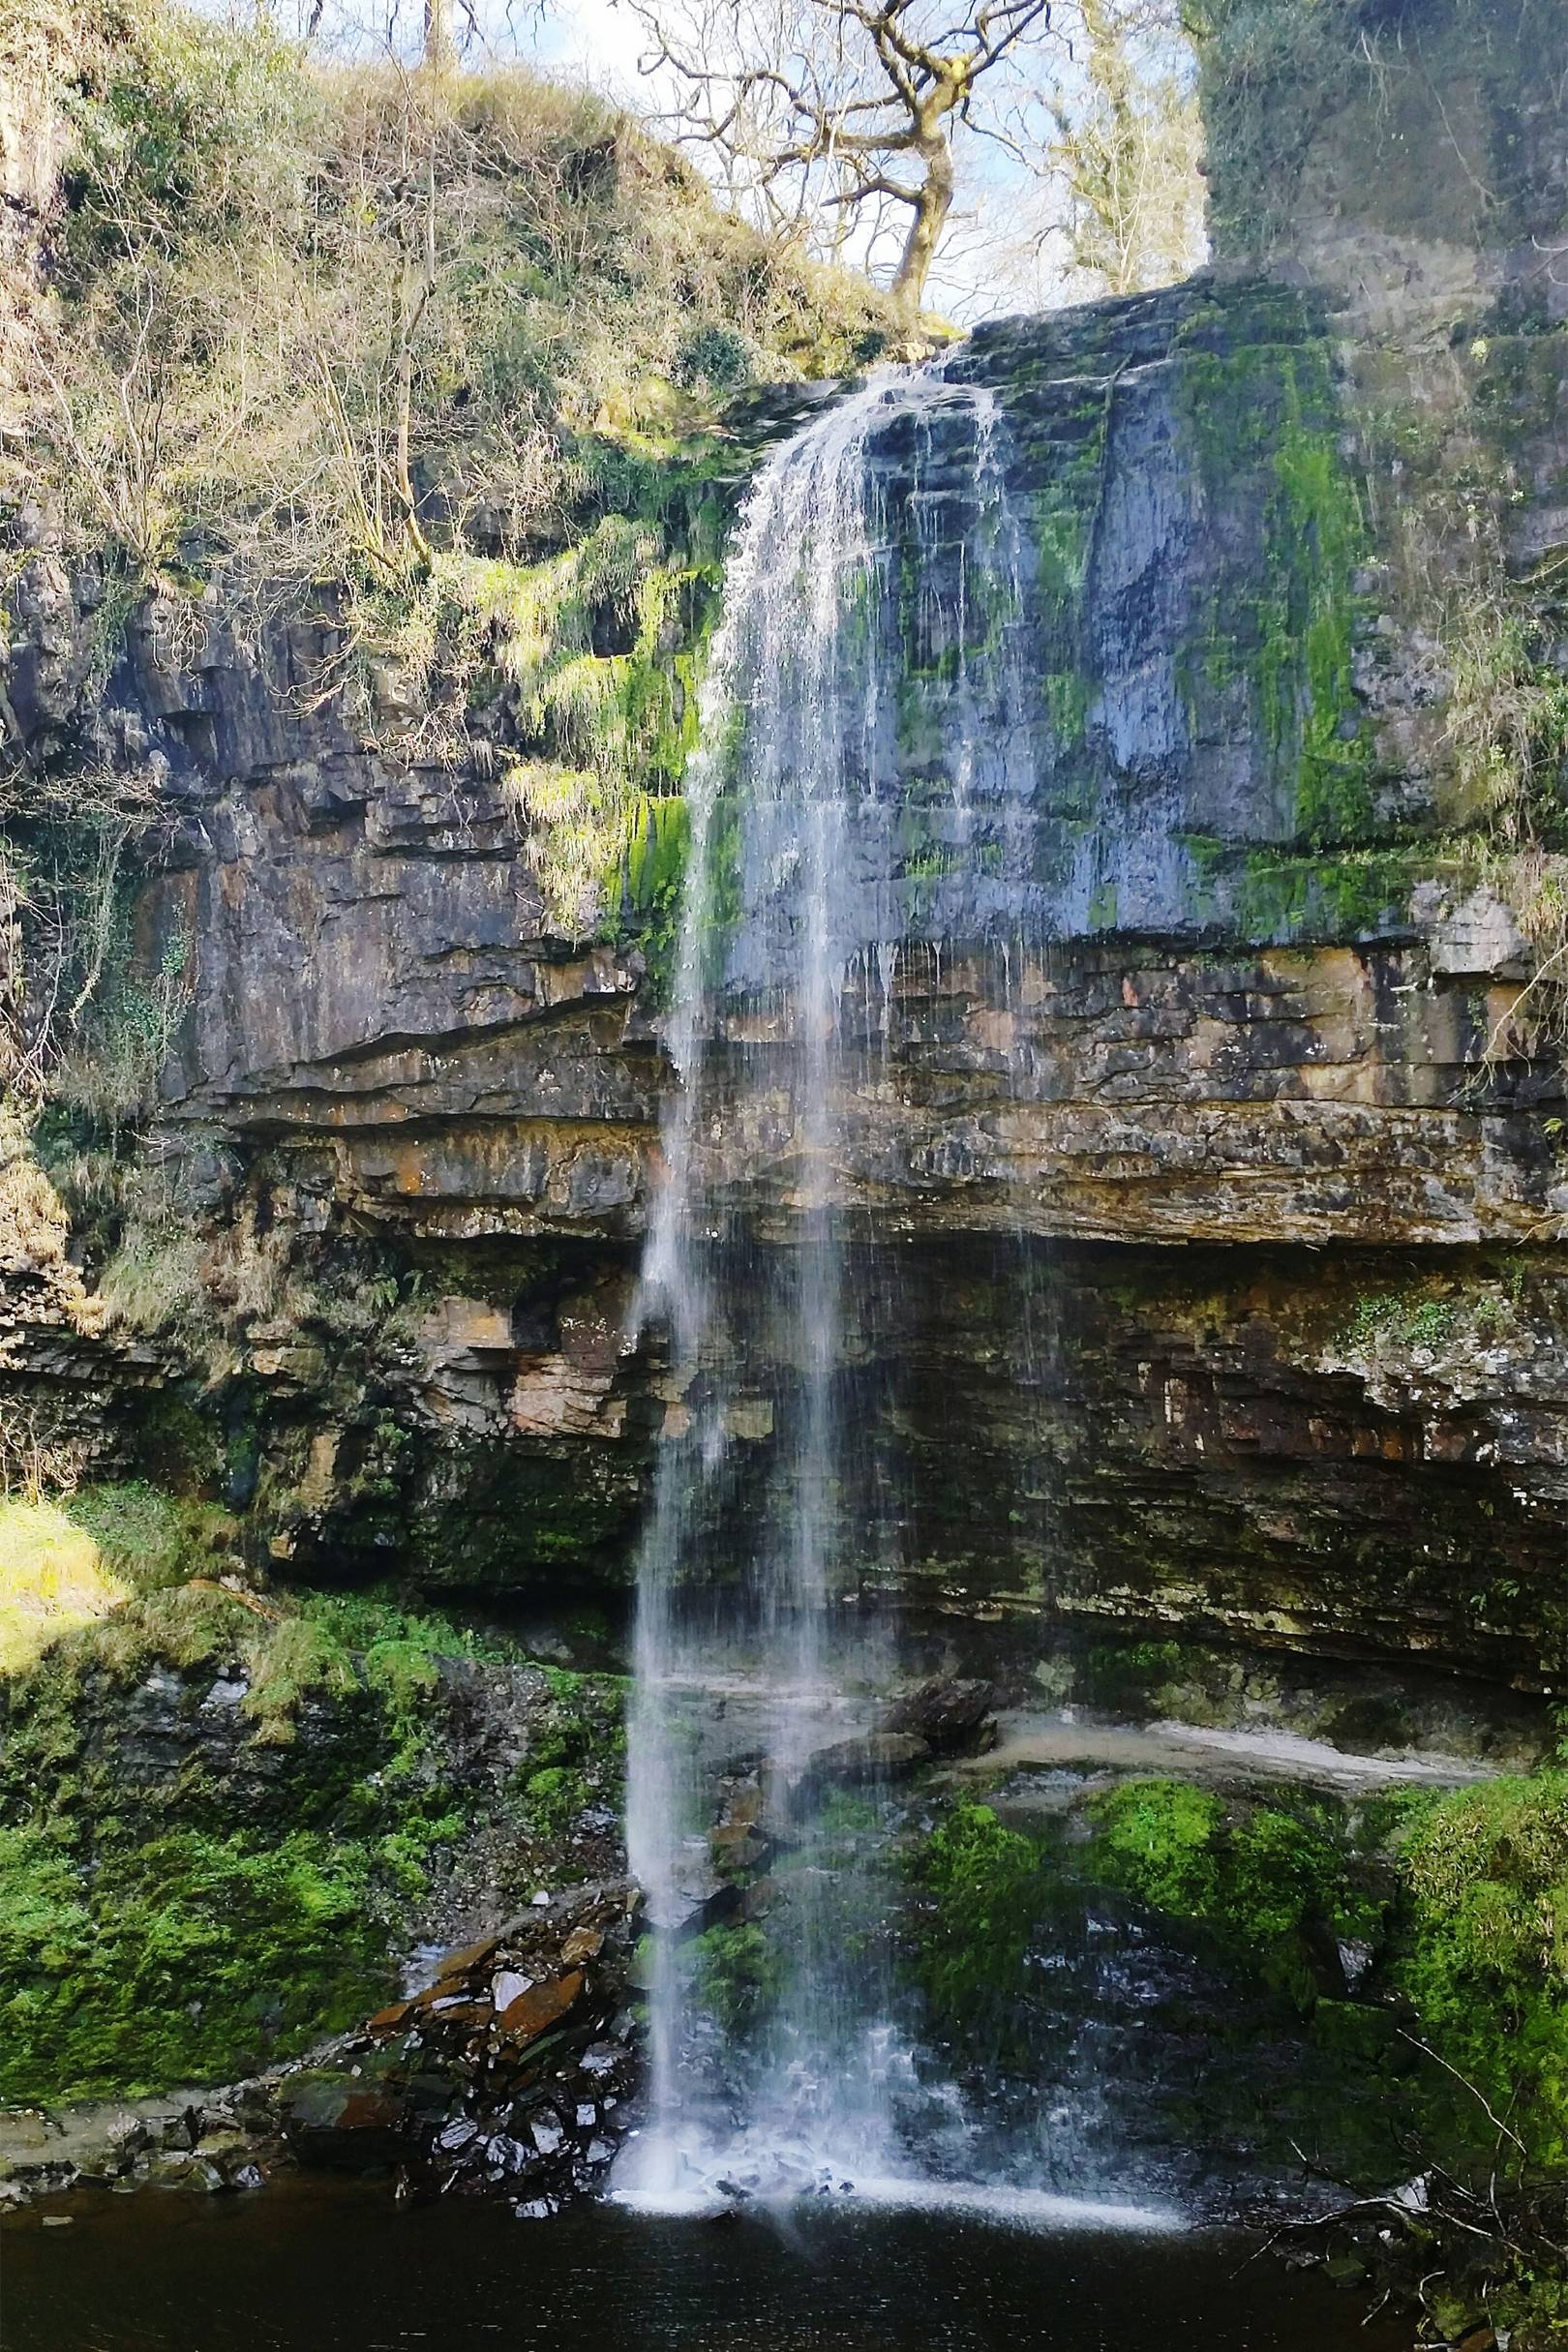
(850, 110)
(1127, 151)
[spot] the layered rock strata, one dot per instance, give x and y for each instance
(1236, 983)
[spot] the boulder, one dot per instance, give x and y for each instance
(860, 1764)
(346, 2122)
(953, 1715)
(532, 2013)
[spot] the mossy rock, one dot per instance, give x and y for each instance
(223, 1816)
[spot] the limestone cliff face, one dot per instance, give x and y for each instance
(1404, 155)
(1263, 994)
(1237, 1123)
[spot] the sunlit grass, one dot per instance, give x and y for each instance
(52, 1579)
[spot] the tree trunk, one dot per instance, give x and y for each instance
(418, 292)
(932, 206)
(438, 44)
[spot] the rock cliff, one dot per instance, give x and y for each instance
(1250, 1119)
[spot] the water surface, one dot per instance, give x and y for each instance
(310, 2269)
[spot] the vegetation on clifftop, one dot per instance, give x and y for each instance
(376, 316)
(435, 371)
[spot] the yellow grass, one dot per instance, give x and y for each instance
(52, 1578)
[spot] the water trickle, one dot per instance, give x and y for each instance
(861, 776)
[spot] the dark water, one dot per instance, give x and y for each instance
(296, 2270)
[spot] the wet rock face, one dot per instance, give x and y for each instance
(1285, 1450)
(373, 964)
(1243, 1021)
(370, 959)
(952, 1715)
(1173, 565)
(1136, 1096)
(1193, 758)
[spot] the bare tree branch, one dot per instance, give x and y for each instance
(808, 102)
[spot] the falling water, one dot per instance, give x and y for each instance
(855, 798)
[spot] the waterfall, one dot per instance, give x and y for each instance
(857, 795)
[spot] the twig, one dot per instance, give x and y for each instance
(1428, 2052)
(1316, 2170)
(246, 1600)
(1341, 2213)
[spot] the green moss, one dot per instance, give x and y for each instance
(1124, 1677)
(189, 1915)
(576, 1758)
(1317, 537)
(340, 1646)
(184, 1959)
(1158, 1838)
(1333, 894)
(736, 1973)
(1272, 408)
(1066, 706)
(555, 1797)
(1461, 1900)
(521, 1521)
(1356, 2031)
(648, 887)
(1261, 1881)
(215, 1908)
(1265, 1890)
(1392, 1319)
(295, 1659)
(982, 1890)
(185, 1624)
(1483, 1946)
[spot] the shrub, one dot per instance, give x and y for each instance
(714, 359)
